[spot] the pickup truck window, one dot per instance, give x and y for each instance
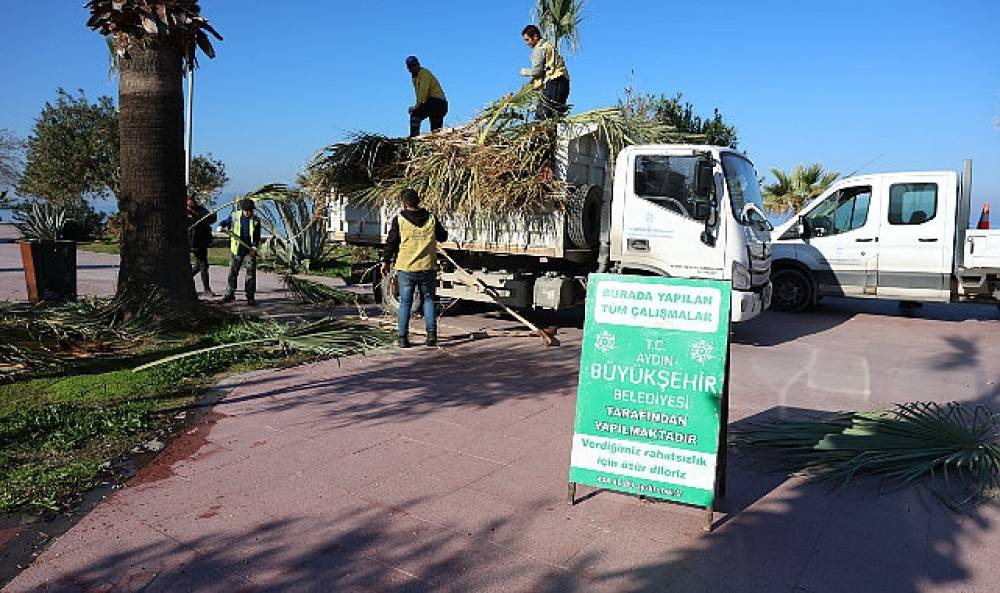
(744, 188)
(667, 181)
(912, 203)
(842, 211)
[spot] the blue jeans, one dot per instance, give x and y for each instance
(408, 282)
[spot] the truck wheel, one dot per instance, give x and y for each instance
(389, 290)
(792, 290)
(583, 216)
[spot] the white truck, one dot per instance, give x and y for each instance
(667, 210)
(900, 236)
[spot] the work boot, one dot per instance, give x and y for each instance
(432, 338)
(229, 298)
(252, 302)
(404, 342)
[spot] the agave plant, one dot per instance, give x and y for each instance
(915, 440)
(325, 338)
(297, 227)
(40, 222)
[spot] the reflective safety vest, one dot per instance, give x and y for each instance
(234, 236)
(555, 67)
(417, 246)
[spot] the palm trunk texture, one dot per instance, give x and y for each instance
(154, 247)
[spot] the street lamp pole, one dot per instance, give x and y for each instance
(188, 131)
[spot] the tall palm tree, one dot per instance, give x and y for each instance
(791, 191)
(155, 41)
(560, 21)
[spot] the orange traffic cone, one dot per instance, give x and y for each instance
(984, 218)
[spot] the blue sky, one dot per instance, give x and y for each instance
(834, 82)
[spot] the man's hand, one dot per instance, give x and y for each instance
(385, 268)
(253, 253)
(525, 71)
(411, 109)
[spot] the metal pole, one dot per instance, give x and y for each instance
(188, 132)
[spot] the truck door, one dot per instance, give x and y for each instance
(659, 232)
(913, 245)
(842, 246)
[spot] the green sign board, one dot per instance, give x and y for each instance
(652, 374)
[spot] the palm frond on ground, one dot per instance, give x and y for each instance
(325, 338)
(315, 293)
(497, 166)
(915, 440)
(791, 191)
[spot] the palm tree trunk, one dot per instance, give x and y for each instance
(154, 246)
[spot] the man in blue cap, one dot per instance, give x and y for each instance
(431, 103)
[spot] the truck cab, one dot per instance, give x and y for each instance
(663, 224)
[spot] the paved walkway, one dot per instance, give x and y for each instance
(445, 470)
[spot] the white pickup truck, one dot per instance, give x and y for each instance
(900, 236)
(662, 210)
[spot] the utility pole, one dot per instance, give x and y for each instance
(188, 132)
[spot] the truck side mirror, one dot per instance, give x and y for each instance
(702, 210)
(704, 178)
(803, 228)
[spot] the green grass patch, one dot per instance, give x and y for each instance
(60, 434)
(338, 265)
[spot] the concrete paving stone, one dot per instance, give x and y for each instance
(546, 426)
(455, 469)
(112, 551)
(389, 457)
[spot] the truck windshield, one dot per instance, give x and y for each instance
(667, 181)
(744, 188)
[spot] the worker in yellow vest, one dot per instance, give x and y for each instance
(431, 102)
(244, 239)
(412, 245)
(548, 73)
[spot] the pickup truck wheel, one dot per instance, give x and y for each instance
(792, 290)
(389, 290)
(583, 216)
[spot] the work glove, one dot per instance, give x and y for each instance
(411, 109)
(525, 71)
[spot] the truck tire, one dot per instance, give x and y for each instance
(583, 216)
(792, 290)
(389, 291)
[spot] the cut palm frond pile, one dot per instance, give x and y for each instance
(915, 440)
(498, 165)
(36, 337)
(325, 338)
(315, 293)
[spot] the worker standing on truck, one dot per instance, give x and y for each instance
(431, 103)
(412, 245)
(548, 73)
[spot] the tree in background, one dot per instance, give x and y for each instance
(791, 191)
(11, 162)
(72, 157)
(680, 114)
(560, 21)
(155, 41)
(72, 151)
(208, 177)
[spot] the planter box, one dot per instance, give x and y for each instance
(49, 270)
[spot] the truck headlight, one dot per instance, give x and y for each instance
(741, 276)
